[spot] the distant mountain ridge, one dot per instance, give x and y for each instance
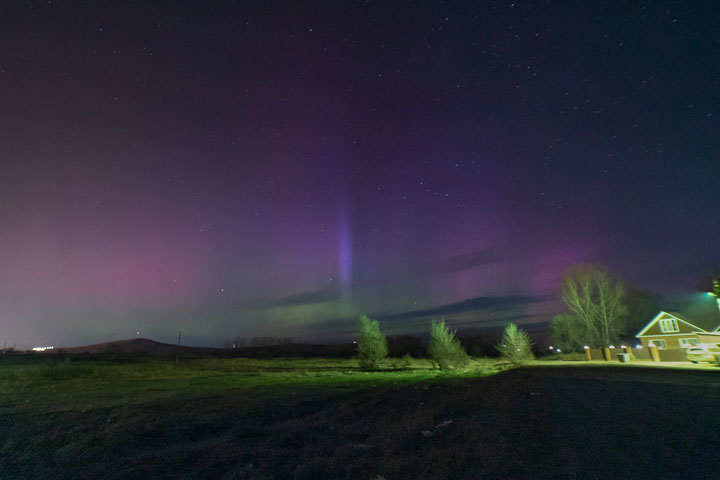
(136, 346)
(145, 346)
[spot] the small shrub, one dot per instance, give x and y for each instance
(404, 363)
(444, 347)
(515, 345)
(565, 357)
(372, 346)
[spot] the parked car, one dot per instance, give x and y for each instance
(703, 353)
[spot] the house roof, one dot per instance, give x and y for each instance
(677, 316)
(705, 315)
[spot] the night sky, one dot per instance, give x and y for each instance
(278, 168)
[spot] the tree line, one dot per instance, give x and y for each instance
(444, 347)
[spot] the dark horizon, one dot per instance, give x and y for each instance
(280, 169)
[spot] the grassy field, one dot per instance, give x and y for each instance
(286, 418)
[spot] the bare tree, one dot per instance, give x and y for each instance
(595, 300)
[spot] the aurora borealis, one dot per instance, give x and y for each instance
(278, 168)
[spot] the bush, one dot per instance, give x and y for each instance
(515, 345)
(444, 347)
(565, 357)
(404, 363)
(372, 345)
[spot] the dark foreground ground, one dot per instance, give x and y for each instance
(538, 422)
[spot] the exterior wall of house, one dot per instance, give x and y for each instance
(653, 330)
(712, 338)
(671, 340)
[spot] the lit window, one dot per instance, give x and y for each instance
(659, 343)
(688, 342)
(668, 325)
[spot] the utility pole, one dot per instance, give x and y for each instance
(177, 352)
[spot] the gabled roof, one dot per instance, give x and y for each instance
(675, 315)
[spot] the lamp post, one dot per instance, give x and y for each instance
(716, 291)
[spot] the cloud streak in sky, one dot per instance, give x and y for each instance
(496, 303)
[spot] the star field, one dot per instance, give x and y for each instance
(278, 169)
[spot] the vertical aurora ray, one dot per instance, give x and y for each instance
(345, 255)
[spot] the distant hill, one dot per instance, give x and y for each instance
(136, 346)
(144, 346)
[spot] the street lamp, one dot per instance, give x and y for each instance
(716, 291)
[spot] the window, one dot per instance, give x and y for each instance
(659, 343)
(668, 325)
(688, 342)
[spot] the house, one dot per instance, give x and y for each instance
(710, 337)
(678, 330)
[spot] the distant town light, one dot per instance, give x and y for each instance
(638, 346)
(558, 350)
(42, 349)
(550, 347)
(586, 347)
(623, 346)
(611, 346)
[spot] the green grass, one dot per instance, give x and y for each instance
(320, 418)
(45, 373)
(57, 412)
(87, 383)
